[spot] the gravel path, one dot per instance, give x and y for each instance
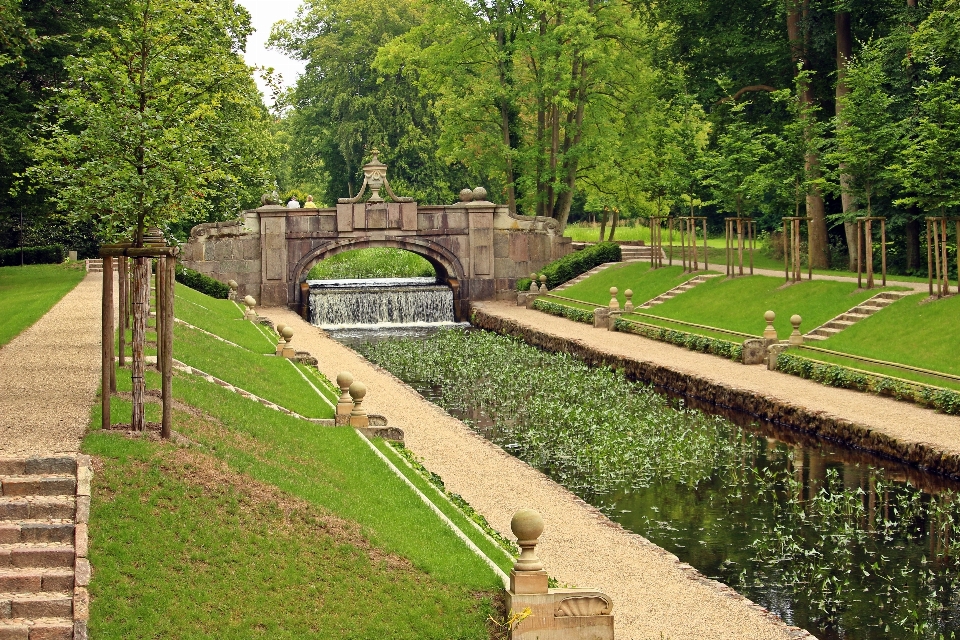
(49, 376)
(653, 593)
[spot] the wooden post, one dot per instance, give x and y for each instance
(141, 291)
(958, 253)
(859, 254)
(106, 343)
(883, 245)
(166, 364)
(936, 255)
(683, 243)
(787, 224)
(929, 258)
(752, 230)
(122, 306)
(706, 248)
(670, 232)
(868, 239)
(740, 244)
(809, 254)
(946, 275)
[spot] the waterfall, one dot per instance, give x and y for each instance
(336, 304)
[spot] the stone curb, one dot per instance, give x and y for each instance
(82, 571)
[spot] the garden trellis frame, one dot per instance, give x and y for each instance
(736, 242)
(865, 241)
(791, 248)
(937, 231)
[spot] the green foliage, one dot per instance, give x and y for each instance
(572, 265)
(691, 341)
(160, 123)
(204, 284)
(379, 262)
(51, 254)
(732, 168)
(26, 293)
(564, 311)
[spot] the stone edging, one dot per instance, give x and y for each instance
(792, 415)
(796, 633)
(81, 567)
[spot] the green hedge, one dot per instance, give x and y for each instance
(562, 310)
(692, 341)
(572, 265)
(202, 283)
(835, 375)
(50, 254)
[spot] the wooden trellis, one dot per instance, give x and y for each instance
(656, 241)
(865, 243)
(688, 242)
(138, 293)
(741, 235)
(937, 229)
(791, 248)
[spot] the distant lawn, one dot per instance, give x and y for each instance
(28, 292)
(907, 332)
(270, 528)
(378, 262)
(222, 317)
(738, 304)
(636, 276)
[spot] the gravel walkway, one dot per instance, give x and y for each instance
(653, 593)
(49, 376)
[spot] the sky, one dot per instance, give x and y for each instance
(264, 13)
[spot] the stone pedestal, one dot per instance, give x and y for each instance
(612, 317)
(562, 614)
(754, 351)
(600, 316)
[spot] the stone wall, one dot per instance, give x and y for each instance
(226, 251)
(788, 414)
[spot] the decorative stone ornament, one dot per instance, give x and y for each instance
(770, 333)
(233, 289)
(479, 194)
(375, 177)
(534, 288)
(358, 416)
(466, 195)
(614, 303)
(282, 342)
(543, 283)
(796, 338)
(251, 304)
(527, 525)
(628, 305)
(345, 404)
(288, 351)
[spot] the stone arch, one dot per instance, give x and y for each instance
(449, 269)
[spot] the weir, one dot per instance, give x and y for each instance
(381, 302)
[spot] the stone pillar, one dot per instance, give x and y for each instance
(280, 327)
(250, 314)
(628, 305)
(233, 289)
(345, 404)
(600, 318)
(796, 338)
(288, 351)
(358, 417)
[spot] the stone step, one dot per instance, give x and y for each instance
(36, 555)
(36, 629)
(13, 508)
(37, 605)
(839, 325)
(824, 332)
(38, 466)
(853, 317)
(36, 531)
(34, 580)
(32, 485)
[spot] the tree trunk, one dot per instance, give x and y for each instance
(912, 230)
(613, 223)
(844, 52)
(603, 223)
(141, 291)
(505, 126)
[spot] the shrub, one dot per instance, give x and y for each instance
(50, 254)
(692, 341)
(571, 313)
(572, 265)
(203, 284)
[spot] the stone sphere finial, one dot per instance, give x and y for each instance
(527, 526)
(770, 332)
(543, 279)
(533, 276)
(466, 195)
(795, 320)
(357, 391)
(479, 194)
(344, 380)
(280, 328)
(796, 338)
(249, 301)
(614, 303)
(287, 333)
(232, 284)
(628, 305)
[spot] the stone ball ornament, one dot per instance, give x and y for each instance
(249, 301)
(466, 195)
(232, 284)
(287, 333)
(479, 194)
(344, 379)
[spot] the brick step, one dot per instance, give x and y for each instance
(35, 580)
(36, 629)
(13, 532)
(36, 555)
(36, 605)
(13, 508)
(35, 485)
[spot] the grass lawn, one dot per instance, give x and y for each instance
(878, 368)
(28, 292)
(222, 317)
(907, 332)
(378, 262)
(738, 304)
(637, 276)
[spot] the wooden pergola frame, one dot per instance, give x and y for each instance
(937, 253)
(656, 240)
(791, 249)
(735, 228)
(165, 277)
(865, 239)
(688, 239)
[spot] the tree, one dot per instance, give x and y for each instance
(733, 167)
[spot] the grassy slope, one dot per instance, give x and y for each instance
(921, 335)
(26, 293)
(637, 276)
(222, 317)
(738, 304)
(380, 262)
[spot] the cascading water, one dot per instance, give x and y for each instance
(381, 302)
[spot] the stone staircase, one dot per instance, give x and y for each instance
(848, 318)
(583, 276)
(94, 264)
(631, 253)
(672, 293)
(44, 571)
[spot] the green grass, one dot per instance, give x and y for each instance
(636, 276)
(222, 317)
(921, 335)
(380, 262)
(894, 372)
(738, 304)
(269, 377)
(26, 293)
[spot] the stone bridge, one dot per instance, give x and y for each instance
(478, 248)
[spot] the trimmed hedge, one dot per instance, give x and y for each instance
(835, 375)
(691, 341)
(570, 313)
(572, 265)
(203, 284)
(50, 254)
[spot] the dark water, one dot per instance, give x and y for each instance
(840, 542)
